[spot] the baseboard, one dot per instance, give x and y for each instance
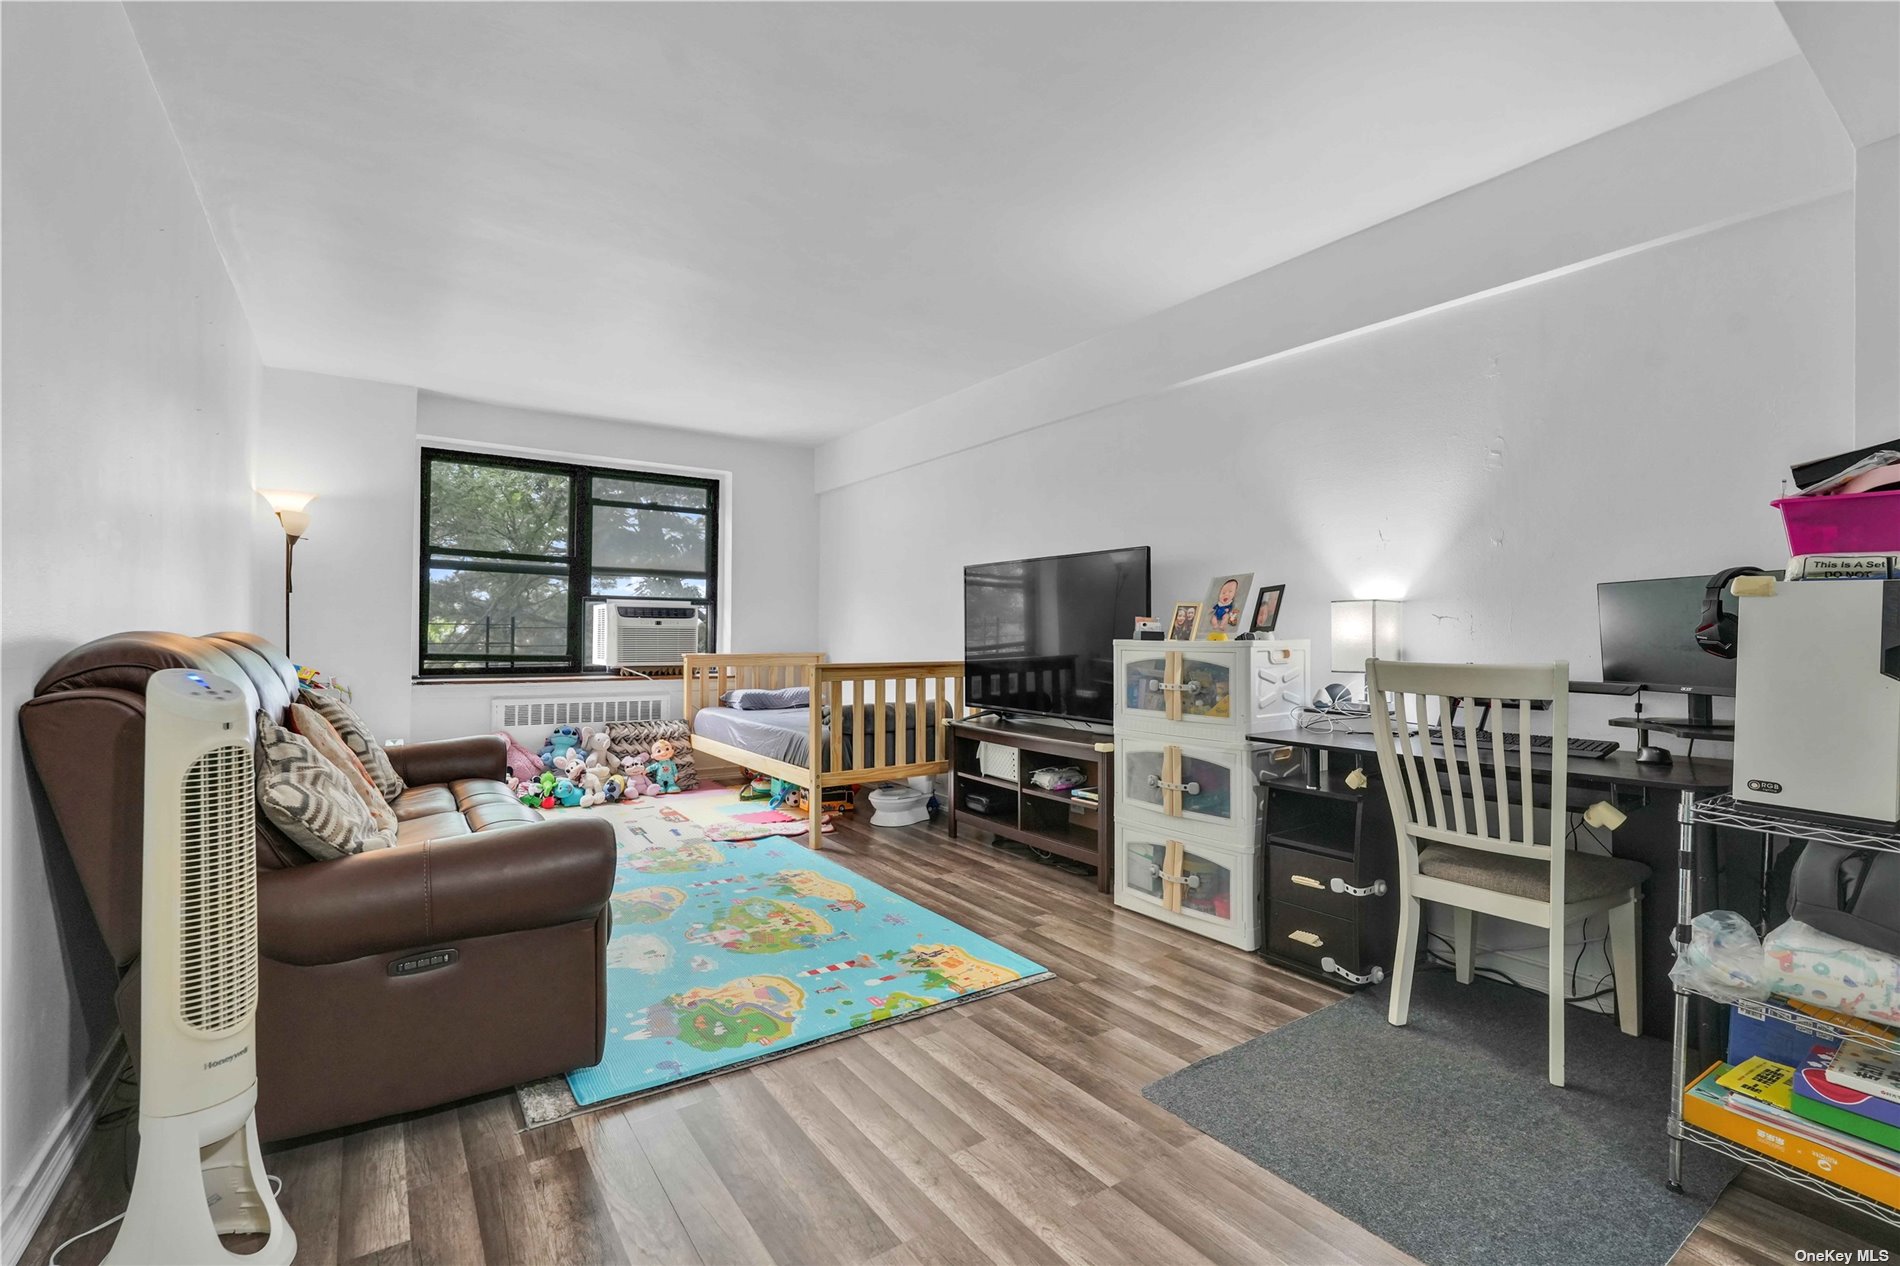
(26, 1204)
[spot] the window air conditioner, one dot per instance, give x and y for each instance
(642, 631)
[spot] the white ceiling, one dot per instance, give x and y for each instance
(794, 220)
(1854, 48)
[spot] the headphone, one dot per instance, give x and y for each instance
(1717, 631)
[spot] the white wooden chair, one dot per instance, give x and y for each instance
(1477, 849)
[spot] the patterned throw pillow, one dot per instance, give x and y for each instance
(629, 737)
(308, 798)
(350, 728)
(309, 723)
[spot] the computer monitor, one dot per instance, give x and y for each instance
(1647, 629)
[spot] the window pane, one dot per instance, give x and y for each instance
(648, 493)
(498, 508)
(664, 540)
(650, 586)
(510, 614)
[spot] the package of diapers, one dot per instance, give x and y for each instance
(1723, 958)
(1809, 965)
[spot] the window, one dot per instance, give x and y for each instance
(514, 552)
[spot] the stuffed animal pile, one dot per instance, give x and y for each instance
(577, 769)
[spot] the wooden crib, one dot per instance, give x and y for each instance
(858, 730)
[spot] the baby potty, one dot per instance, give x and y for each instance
(898, 805)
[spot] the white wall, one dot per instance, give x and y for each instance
(131, 391)
(1489, 463)
(1854, 53)
(355, 444)
(1877, 291)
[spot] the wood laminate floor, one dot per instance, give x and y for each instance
(1010, 1130)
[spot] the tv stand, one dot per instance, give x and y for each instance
(1699, 724)
(1014, 808)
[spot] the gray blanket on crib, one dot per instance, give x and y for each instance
(784, 734)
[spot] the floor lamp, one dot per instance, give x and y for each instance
(292, 512)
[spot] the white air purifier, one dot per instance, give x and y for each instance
(200, 1169)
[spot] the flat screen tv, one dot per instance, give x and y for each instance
(1039, 633)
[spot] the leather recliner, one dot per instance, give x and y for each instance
(345, 1034)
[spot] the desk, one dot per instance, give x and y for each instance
(1654, 797)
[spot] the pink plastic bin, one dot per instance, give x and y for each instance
(1849, 523)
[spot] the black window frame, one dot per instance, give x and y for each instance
(580, 568)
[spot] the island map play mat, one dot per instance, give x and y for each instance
(727, 951)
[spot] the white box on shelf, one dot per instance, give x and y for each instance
(995, 760)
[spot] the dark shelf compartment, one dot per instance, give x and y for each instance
(1312, 844)
(1052, 821)
(987, 780)
(1059, 797)
(1331, 785)
(1313, 821)
(1003, 801)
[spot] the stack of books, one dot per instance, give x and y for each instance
(1837, 1116)
(1089, 795)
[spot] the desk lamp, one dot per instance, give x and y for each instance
(1363, 629)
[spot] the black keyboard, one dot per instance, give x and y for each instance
(1589, 749)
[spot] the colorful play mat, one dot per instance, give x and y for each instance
(727, 951)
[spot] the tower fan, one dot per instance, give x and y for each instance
(200, 1169)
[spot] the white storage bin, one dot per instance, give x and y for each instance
(1189, 881)
(1222, 690)
(1213, 786)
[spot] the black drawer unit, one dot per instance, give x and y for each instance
(1305, 879)
(1332, 876)
(1312, 940)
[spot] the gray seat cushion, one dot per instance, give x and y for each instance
(1587, 876)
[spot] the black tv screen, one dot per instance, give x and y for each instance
(1039, 633)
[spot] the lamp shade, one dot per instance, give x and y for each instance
(291, 509)
(280, 500)
(1363, 629)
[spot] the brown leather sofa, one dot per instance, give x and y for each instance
(342, 1037)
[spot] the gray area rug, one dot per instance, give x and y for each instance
(1445, 1139)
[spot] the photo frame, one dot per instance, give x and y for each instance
(1186, 619)
(1266, 610)
(1223, 615)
